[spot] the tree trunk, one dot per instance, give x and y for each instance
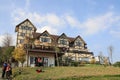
(57, 59)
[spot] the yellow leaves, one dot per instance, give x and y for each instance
(19, 54)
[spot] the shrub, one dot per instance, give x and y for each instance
(75, 63)
(117, 64)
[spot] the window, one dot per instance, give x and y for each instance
(22, 34)
(29, 28)
(64, 42)
(21, 40)
(26, 28)
(77, 43)
(45, 39)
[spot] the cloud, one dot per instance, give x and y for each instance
(52, 21)
(98, 23)
(73, 22)
(48, 28)
(95, 24)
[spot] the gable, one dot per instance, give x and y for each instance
(46, 34)
(25, 25)
(63, 36)
(78, 38)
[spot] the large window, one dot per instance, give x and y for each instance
(45, 39)
(26, 28)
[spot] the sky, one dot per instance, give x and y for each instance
(96, 21)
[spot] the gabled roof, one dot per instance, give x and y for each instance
(36, 35)
(56, 37)
(62, 35)
(80, 38)
(22, 23)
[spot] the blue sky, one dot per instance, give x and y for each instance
(96, 21)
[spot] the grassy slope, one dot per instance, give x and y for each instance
(68, 72)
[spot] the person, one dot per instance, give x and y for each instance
(8, 71)
(39, 61)
(4, 69)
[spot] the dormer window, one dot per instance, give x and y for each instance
(44, 39)
(63, 42)
(78, 43)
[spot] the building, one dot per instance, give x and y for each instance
(48, 47)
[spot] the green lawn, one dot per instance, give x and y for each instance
(93, 72)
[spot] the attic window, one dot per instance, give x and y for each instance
(78, 43)
(26, 28)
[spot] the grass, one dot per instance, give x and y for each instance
(90, 72)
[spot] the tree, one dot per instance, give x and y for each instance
(56, 54)
(6, 49)
(19, 54)
(7, 53)
(110, 49)
(7, 40)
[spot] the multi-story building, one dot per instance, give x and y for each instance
(48, 47)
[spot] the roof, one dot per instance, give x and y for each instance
(56, 37)
(22, 23)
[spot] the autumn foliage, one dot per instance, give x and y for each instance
(19, 54)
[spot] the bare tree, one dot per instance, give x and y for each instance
(6, 47)
(110, 49)
(7, 40)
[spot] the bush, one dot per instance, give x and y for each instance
(75, 63)
(117, 64)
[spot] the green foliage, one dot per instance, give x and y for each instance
(75, 63)
(117, 64)
(6, 53)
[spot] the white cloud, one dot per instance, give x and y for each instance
(52, 21)
(48, 28)
(56, 22)
(100, 23)
(73, 22)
